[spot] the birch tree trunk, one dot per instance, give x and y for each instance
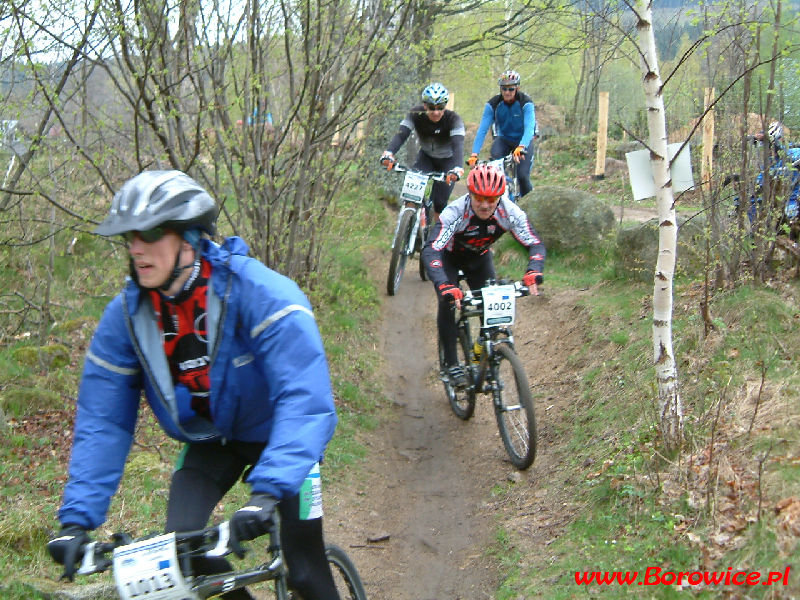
(671, 410)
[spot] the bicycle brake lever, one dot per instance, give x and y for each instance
(88, 566)
(224, 536)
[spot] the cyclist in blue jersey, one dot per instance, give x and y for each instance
(514, 118)
(230, 360)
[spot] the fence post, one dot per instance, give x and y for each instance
(707, 163)
(602, 135)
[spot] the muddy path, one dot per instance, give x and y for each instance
(421, 514)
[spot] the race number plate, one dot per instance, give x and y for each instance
(149, 569)
(414, 186)
(498, 305)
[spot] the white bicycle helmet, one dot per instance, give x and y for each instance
(435, 93)
(775, 131)
(508, 77)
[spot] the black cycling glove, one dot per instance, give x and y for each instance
(251, 521)
(66, 548)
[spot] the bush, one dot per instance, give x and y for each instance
(637, 249)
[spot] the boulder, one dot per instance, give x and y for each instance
(567, 218)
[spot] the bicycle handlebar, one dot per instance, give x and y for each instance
(212, 541)
(474, 298)
(505, 159)
(435, 175)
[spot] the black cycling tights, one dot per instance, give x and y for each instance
(204, 475)
(477, 269)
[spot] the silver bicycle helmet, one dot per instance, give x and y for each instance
(154, 198)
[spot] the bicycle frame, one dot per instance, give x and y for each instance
(414, 196)
(412, 221)
(489, 337)
(160, 567)
(166, 573)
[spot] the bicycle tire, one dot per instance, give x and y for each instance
(397, 263)
(345, 575)
(516, 422)
(462, 402)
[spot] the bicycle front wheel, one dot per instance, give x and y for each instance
(513, 408)
(345, 575)
(462, 400)
(400, 252)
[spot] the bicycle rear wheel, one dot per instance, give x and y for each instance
(400, 252)
(513, 408)
(345, 575)
(462, 401)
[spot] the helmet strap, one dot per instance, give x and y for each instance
(176, 271)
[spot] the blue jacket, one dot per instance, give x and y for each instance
(268, 372)
(515, 122)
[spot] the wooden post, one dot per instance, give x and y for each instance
(602, 135)
(707, 164)
(451, 101)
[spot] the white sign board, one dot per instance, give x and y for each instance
(641, 172)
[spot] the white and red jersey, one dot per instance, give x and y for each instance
(461, 232)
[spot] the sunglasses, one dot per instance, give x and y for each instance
(149, 236)
(508, 88)
(485, 199)
(435, 106)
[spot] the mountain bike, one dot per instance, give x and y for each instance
(413, 222)
(493, 367)
(159, 567)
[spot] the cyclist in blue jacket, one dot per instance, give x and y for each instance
(514, 117)
(230, 360)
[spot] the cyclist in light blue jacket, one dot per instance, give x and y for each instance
(513, 116)
(230, 360)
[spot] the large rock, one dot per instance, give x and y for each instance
(567, 218)
(637, 248)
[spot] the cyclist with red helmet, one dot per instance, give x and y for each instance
(461, 240)
(441, 139)
(514, 118)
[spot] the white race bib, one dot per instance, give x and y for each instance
(148, 569)
(414, 186)
(498, 305)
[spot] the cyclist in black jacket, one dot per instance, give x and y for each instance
(461, 240)
(441, 139)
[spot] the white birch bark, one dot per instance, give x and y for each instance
(671, 410)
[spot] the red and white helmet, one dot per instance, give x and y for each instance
(485, 180)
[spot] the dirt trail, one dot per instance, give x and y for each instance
(426, 488)
(421, 492)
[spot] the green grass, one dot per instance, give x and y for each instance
(615, 467)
